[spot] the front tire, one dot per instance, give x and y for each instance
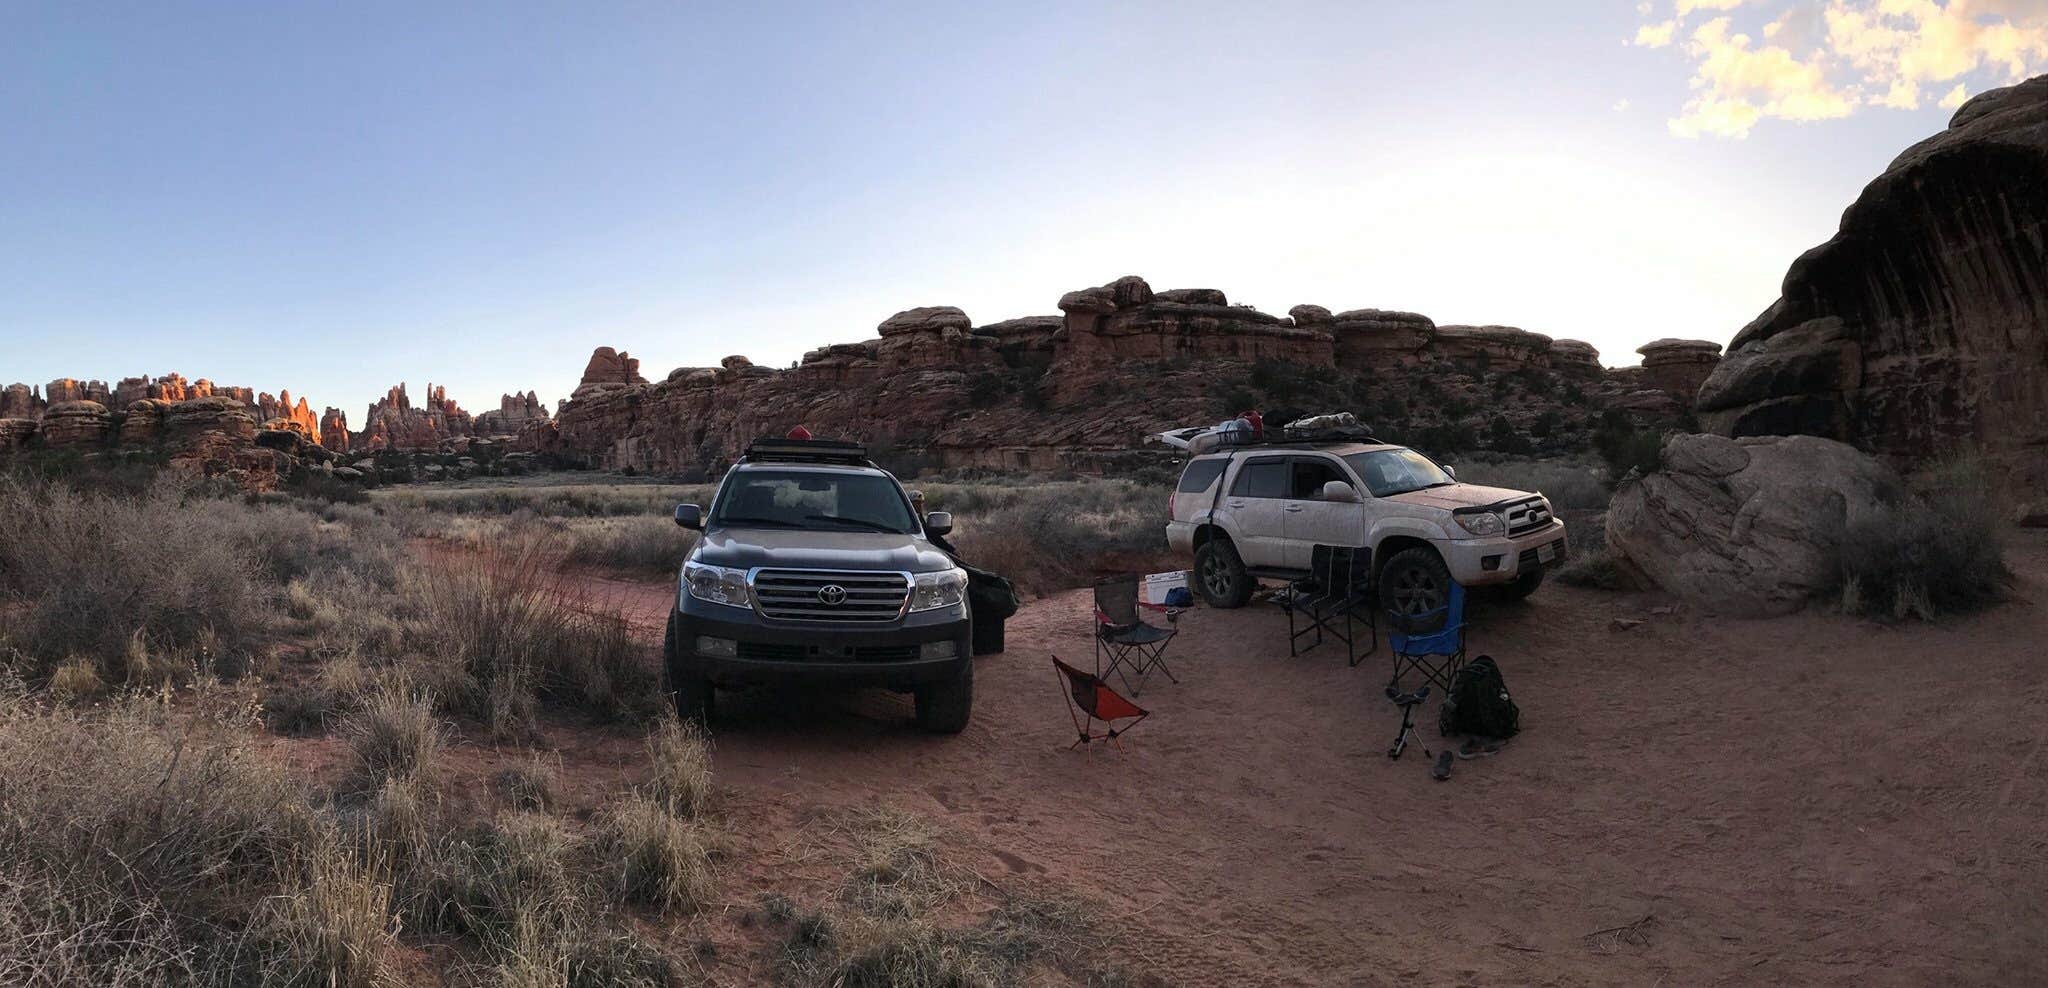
(692, 695)
(1413, 583)
(1220, 574)
(944, 708)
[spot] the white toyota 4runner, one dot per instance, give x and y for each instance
(1251, 511)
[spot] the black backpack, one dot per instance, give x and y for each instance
(1479, 704)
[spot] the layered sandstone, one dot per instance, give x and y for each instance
(334, 430)
(1923, 323)
(515, 413)
(1679, 367)
(74, 422)
(1121, 361)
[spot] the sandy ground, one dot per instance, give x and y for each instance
(1805, 800)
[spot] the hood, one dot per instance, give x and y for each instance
(744, 548)
(1459, 496)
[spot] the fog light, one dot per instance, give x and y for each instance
(1490, 563)
(717, 648)
(938, 650)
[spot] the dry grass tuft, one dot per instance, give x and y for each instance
(395, 736)
(1930, 556)
(681, 759)
(655, 859)
(530, 784)
(330, 927)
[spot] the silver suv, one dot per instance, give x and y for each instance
(1259, 510)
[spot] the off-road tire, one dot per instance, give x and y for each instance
(692, 695)
(944, 708)
(1416, 581)
(1523, 586)
(1220, 575)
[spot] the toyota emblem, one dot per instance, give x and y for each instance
(832, 594)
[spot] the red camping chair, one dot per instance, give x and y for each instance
(1090, 695)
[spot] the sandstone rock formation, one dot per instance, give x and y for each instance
(1924, 322)
(15, 433)
(334, 430)
(1069, 391)
(515, 413)
(1746, 527)
(19, 401)
(393, 422)
(74, 422)
(1679, 367)
(295, 417)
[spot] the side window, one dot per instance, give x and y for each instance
(1310, 474)
(1261, 478)
(1201, 473)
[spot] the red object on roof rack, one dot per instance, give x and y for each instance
(799, 432)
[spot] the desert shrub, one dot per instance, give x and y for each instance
(642, 543)
(134, 841)
(681, 777)
(1051, 536)
(1569, 484)
(330, 925)
(394, 736)
(1927, 556)
(652, 858)
(1625, 446)
(298, 709)
(529, 784)
(504, 635)
(897, 868)
(1595, 570)
(77, 681)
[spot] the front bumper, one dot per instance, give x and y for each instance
(785, 652)
(1477, 562)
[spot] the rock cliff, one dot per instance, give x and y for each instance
(1119, 362)
(1923, 323)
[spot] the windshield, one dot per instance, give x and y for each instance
(1388, 472)
(852, 502)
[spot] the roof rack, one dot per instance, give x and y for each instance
(1184, 439)
(766, 450)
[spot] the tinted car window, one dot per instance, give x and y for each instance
(1201, 473)
(1261, 478)
(1310, 475)
(812, 499)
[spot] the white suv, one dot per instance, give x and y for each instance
(1259, 510)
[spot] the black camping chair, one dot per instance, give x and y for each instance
(1335, 598)
(1124, 637)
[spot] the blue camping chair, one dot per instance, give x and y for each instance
(1431, 643)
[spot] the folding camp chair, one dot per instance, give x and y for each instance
(1124, 637)
(1090, 695)
(1336, 597)
(1431, 643)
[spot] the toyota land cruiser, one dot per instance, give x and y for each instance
(813, 567)
(1257, 510)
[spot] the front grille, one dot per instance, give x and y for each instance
(808, 595)
(772, 652)
(1528, 516)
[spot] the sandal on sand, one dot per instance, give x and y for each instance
(1442, 771)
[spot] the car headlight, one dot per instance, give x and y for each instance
(717, 584)
(1482, 523)
(931, 591)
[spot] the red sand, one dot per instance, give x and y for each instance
(1811, 799)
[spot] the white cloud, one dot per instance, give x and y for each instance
(1956, 97)
(1655, 35)
(1824, 59)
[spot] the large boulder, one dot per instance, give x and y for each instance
(1924, 321)
(925, 319)
(75, 423)
(1746, 527)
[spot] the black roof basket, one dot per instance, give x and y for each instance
(767, 450)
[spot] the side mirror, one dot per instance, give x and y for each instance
(938, 523)
(1337, 490)
(690, 516)
(1453, 471)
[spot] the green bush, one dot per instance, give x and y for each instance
(1929, 556)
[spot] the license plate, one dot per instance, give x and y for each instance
(1546, 553)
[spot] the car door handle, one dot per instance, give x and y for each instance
(1294, 507)
(1236, 503)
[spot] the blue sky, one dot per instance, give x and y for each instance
(334, 198)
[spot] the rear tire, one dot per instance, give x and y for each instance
(692, 695)
(1523, 586)
(1414, 582)
(1219, 572)
(944, 708)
